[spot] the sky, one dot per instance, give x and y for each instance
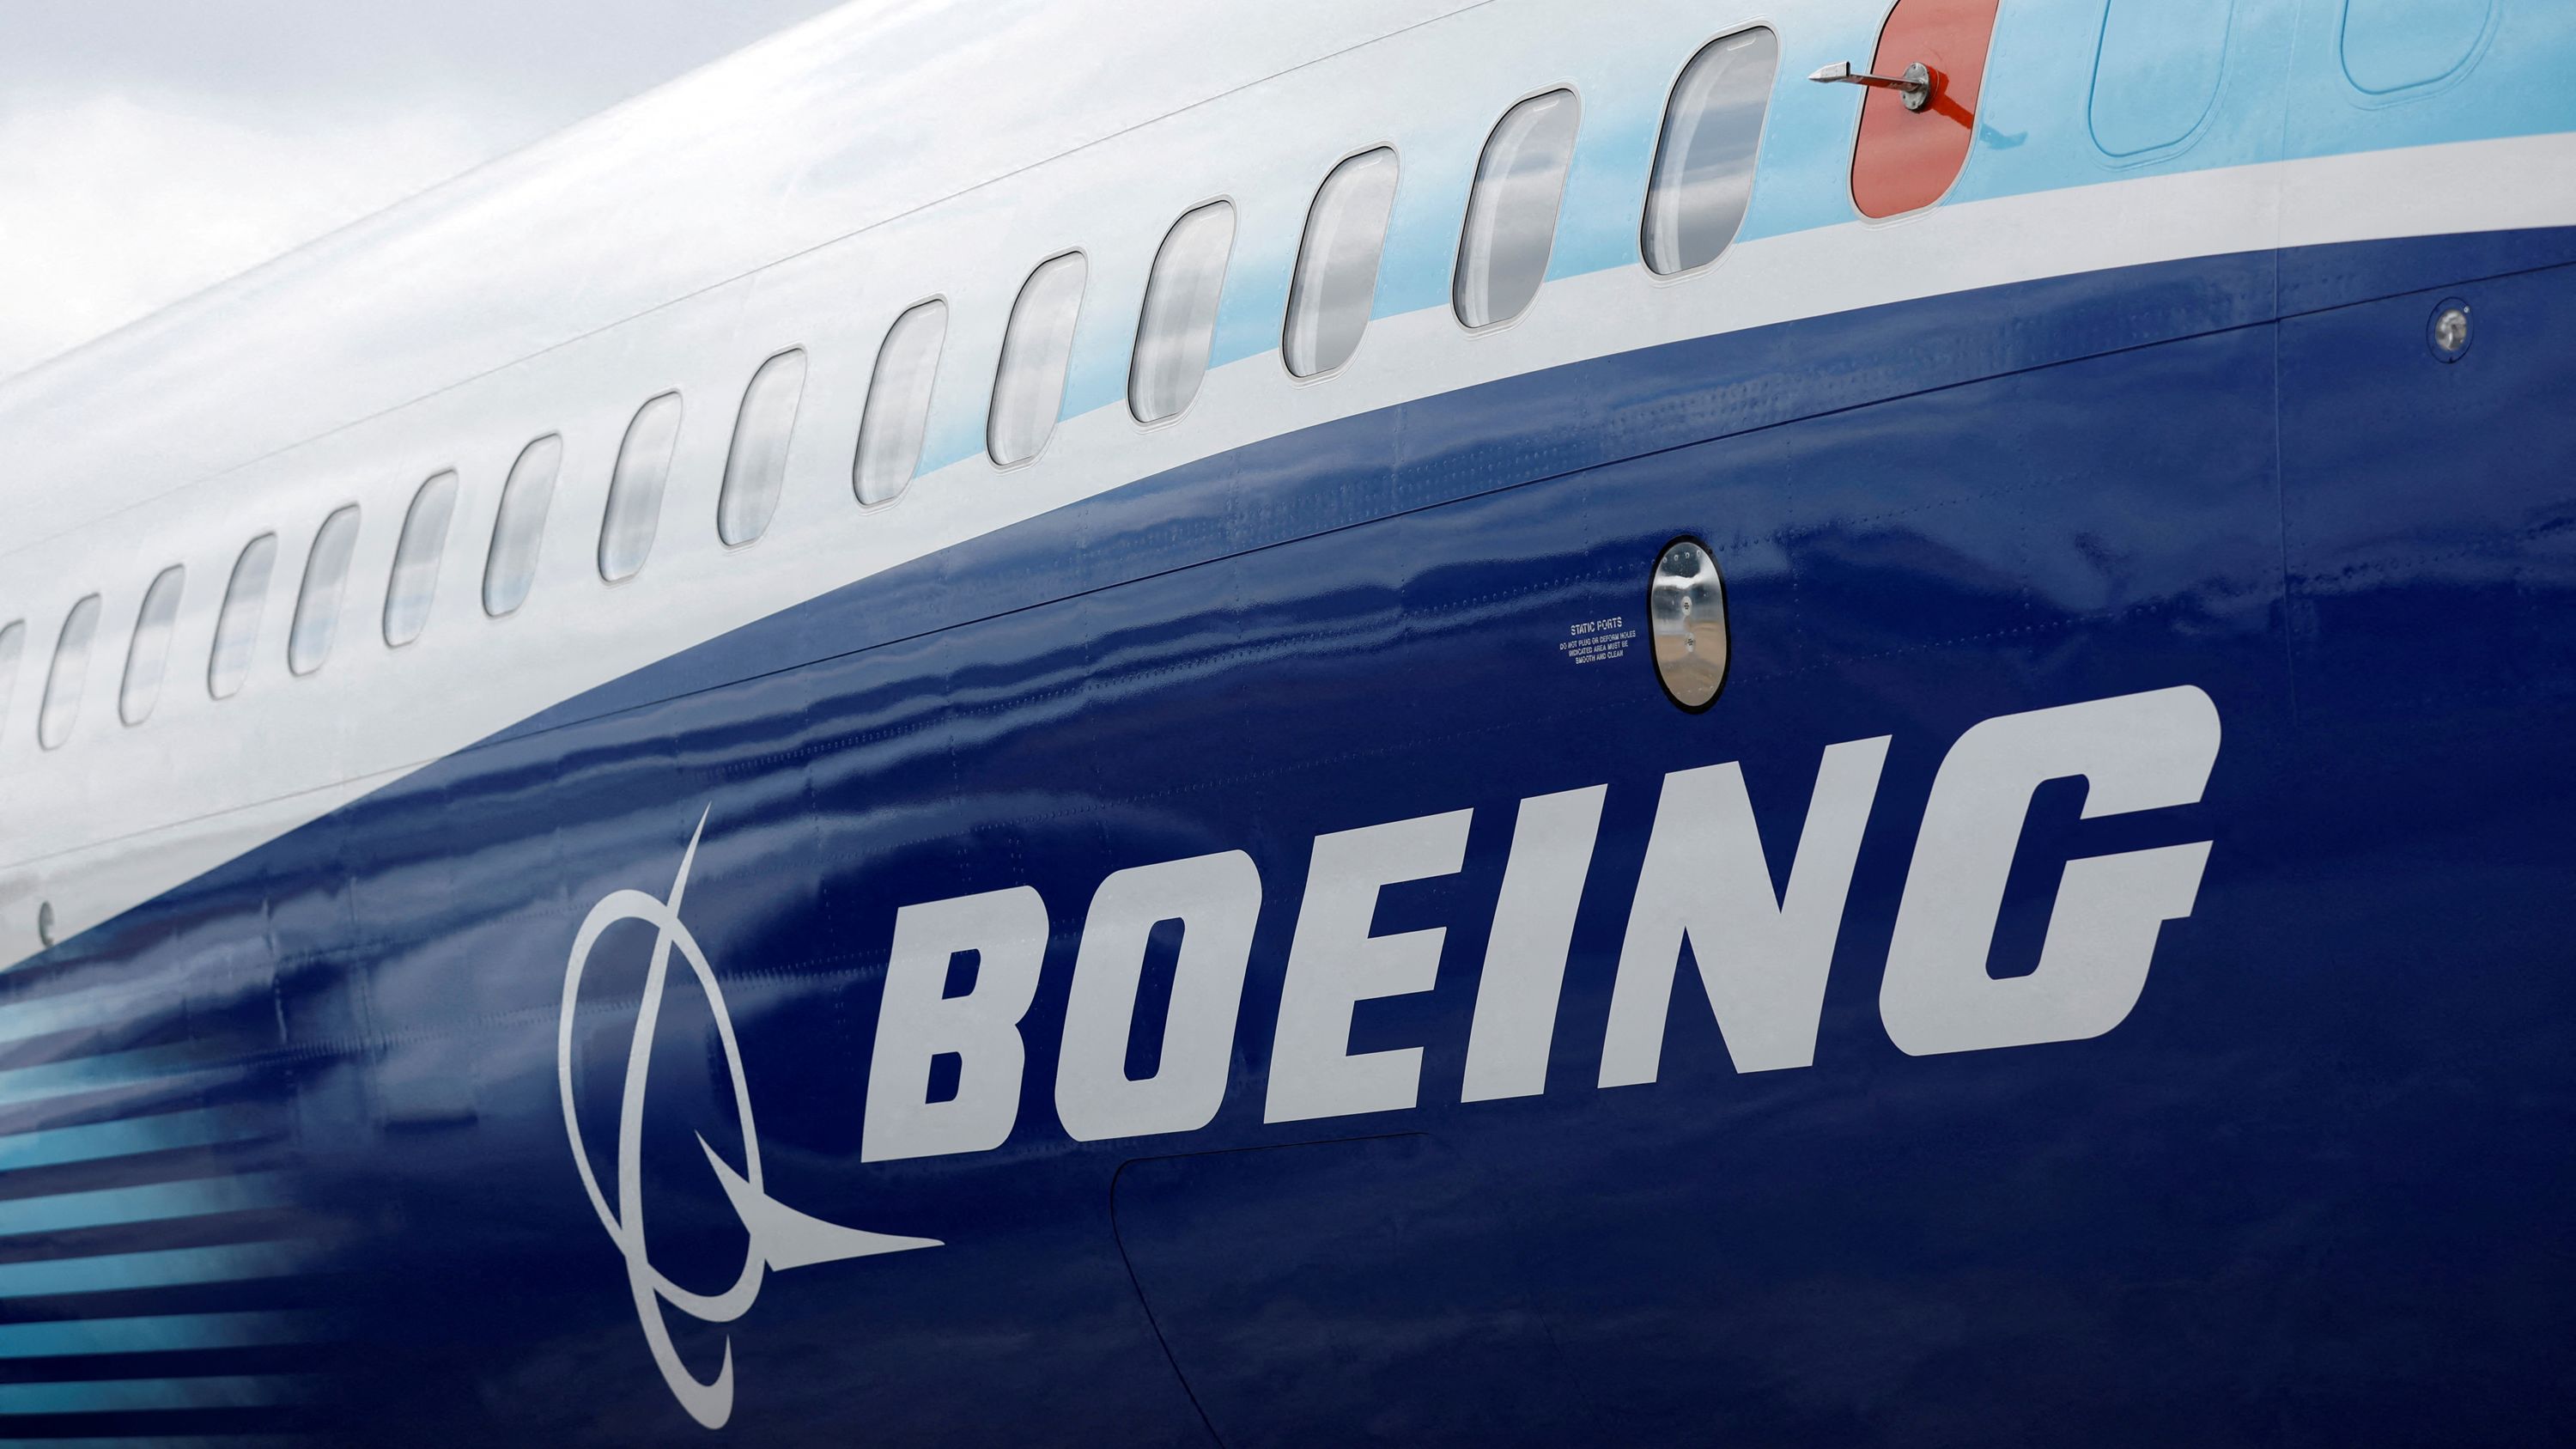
(151, 148)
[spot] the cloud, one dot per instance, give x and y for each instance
(115, 206)
(150, 149)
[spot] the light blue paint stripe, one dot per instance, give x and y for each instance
(156, 1202)
(46, 1015)
(193, 1441)
(97, 1141)
(2033, 137)
(126, 1396)
(166, 1268)
(164, 1333)
(96, 1074)
(90, 1074)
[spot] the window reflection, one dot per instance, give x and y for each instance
(1337, 261)
(317, 603)
(511, 567)
(149, 654)
(635, 489)
(1703, 176)
(1178, 326)
(1037, 350)
(237, 628)
(69, 673)
(415, 577)
(898, 407)
(756, 466)
(1511, 214)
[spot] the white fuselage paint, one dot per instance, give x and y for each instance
(1705, 886)
(314, 384)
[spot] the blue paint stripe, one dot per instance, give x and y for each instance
(191, 1441)
(165, 1268)
(164, 1333)
(89, 1074)
(46, 1015)
(98, 1141)
(126, 1396)
(155, 1202)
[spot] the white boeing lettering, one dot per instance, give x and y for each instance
(2137, 752)
(1704, 887)
(1515, 1025)
(1217, 900)
(1007, 931)
(1334, 964)
(1763, 960)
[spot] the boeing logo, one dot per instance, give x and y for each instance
(780, 1236)
(1702, 898)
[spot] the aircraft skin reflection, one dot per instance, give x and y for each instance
(1569, 791)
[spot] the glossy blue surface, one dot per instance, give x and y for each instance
(2311, 1191)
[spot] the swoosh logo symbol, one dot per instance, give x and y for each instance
(781, 1237)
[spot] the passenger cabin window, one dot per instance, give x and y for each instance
(898, 408)
(1037, 349)
(237, 627)
(1703, 175)
(1336, 281)
(149, 654)
(317, 603)
(1511, 213)
(70, 671)
(2391, 46)
(635, 489)
(2156, 73)
(13, 643)
(511, 566)
(416, 557)
(756, 465)
(1178, 327)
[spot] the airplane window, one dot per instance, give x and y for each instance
(756, 467)
(1703, 176)
(511, 566)
(2156, 72)
(13, 642)
(1511, 214)
(2391, 45)
(150, 651)
(71, 670)
(635, 489)
(416, 557)
(1179, 321)
(1037, 348)
(317, 603)
(898, 407)
(237, 627)
(1336, 280)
